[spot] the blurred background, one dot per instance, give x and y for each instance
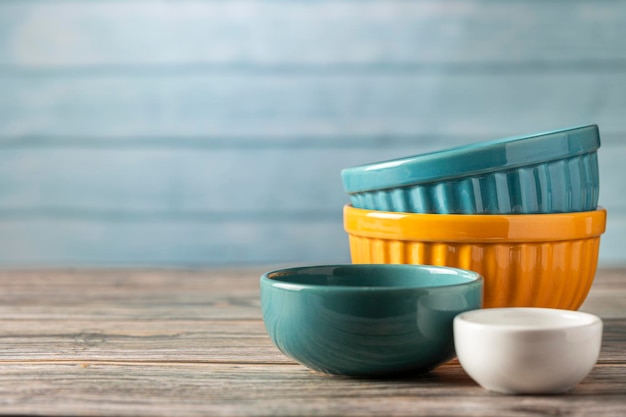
(198, 133)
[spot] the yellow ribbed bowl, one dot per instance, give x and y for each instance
(530, 260)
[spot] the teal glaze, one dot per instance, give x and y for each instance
(367, 320)
(549, 172)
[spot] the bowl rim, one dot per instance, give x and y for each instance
(495, 228)
(472, 159)
(471, 319)
(474, 278)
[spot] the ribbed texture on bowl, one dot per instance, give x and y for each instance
(565, 185)
(546, 274)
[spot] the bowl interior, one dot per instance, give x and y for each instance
(528, 318)
(366, 277)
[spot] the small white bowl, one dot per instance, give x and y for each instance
(527, 350)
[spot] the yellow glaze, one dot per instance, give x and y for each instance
(531, 260)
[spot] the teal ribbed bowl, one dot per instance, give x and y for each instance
(551, 172)
(367, 320)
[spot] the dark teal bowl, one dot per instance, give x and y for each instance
(367, 320)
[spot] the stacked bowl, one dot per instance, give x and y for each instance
(520, 211)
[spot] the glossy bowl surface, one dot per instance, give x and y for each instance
(527, 350)
(538, 260)
(548, 172)
(367, 320)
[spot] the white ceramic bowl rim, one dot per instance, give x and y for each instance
(523, 319)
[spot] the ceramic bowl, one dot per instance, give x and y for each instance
(534, 260)
(543, 173)
(527, 350)
(367, 320)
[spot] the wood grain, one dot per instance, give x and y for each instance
(283, 390)
(292, 106)
(192, 342)
(197, 208)
(204, 181)
(94, 239)
(57, 242)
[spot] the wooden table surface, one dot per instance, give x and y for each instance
(160, 342)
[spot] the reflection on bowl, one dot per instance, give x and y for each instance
(435, 310)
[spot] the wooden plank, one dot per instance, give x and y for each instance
(121, 294)
(99, 364)
(163, 339)
(177, 316)
(156, 339)
(613, 338)
(186, 294)
(607, 297)
(127, 294)
(613, 240)
(301, 107)
(174, 182)
(62, 241)
(281, 390)
(93, 205)
(379, 79)
(270, 182)
(612, 187)
(104, 284)
(121, 282)
(609, 279)
(110, 33)
(187, 243)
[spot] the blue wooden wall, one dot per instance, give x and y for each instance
(189, 133)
